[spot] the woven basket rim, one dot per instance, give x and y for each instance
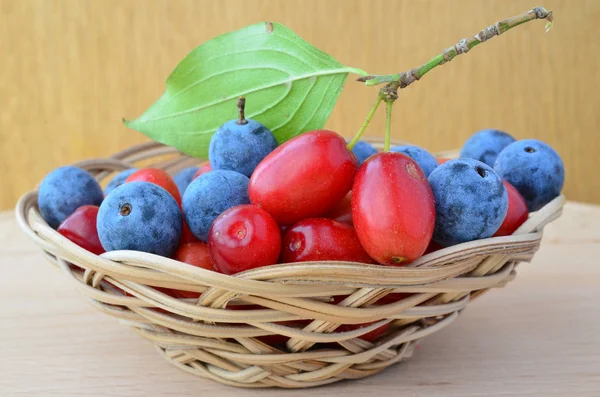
(27, 211)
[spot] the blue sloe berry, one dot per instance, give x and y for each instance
(425, 159)
(470, 201)
(209, 195)
(64, 190)
(118, 180)
(183, 178)
(363, 150)
(534, 169)
(240, 147)
(140, 216)
(485, 145)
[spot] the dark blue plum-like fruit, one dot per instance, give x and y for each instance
(140, 216)
(485, 145)
(118, 180)
(184, 177)
(239, 145)
(211, 194)
(534, 169)
(363, 150)
(64, 190)
(470, 201)
(424, 159)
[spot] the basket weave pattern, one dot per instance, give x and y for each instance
(202, 337)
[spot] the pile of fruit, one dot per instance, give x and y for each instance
(313, 198)
(310, 199)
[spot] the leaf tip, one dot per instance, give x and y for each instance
(127, 123)
(269, 27)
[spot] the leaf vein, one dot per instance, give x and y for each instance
(198, 64)
(257, 89)
(293, 115)
(195, 83)
(316, 107)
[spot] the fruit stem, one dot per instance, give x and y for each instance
(365, 124)
(388, 125)
(404, 79)
(241, 104)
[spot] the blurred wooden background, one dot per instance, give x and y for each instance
(70, 70)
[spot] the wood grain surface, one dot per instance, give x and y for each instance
(71, 70)
(536, 337)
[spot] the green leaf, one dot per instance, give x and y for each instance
(290, 86)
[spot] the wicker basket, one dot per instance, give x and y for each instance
(203, 338)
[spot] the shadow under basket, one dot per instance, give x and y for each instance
(206, 337)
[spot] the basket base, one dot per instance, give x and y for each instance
(287, 373)
(249, 363)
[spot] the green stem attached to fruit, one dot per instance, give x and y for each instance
(364, 125)
(389, 93)
(388, 125)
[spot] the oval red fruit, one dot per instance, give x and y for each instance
(393, 209)
(304, 177)
(195, 254)
(158, 177)
(342, 212)
(80, 228)
(432, 247)
(202, 169)
(244, 237)
(517, 212)
(322, 239)
(186, 234)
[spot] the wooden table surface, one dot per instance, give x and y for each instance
(539, 336)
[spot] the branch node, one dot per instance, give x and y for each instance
(413, 75)
(541, 12)
(447, 55)
(462, 47)
(390, 92)
(488, 33)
